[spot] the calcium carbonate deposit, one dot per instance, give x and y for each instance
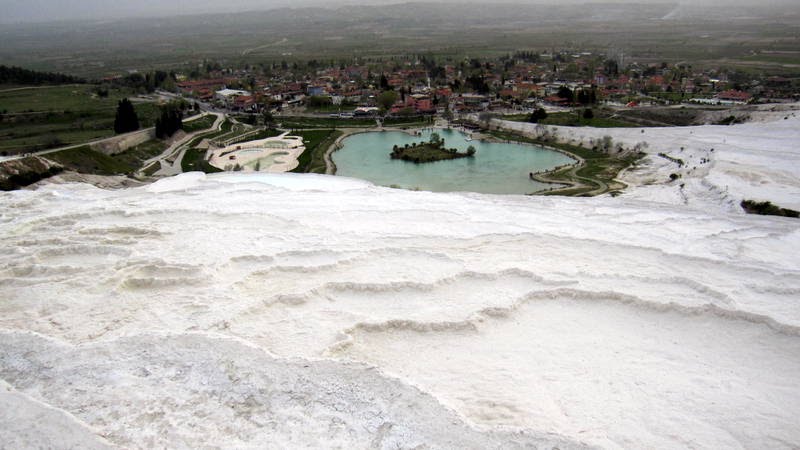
(291, 311)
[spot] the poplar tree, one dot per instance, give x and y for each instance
(126, 119)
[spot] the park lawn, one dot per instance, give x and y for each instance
(323, 122)
(599, 168)
(317, 142)
(330, 108)
(202, 123)
(194, 160)
(268, 133)
(406, 121)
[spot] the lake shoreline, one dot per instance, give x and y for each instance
(501, 167)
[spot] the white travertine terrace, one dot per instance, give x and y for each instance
(289, 311)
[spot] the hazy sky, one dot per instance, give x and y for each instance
(47, 10)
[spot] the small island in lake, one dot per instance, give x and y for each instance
(433, 150)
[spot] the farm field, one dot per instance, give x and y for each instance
(41, 117)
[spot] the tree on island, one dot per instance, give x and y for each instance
(126, 119)
(431, 151)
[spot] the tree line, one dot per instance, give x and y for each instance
(168, 123)
(18, 75)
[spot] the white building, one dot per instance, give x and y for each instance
(228, 95)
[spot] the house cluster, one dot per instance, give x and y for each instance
(521, 81)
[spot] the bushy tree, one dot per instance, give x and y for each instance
(316, 101)
(538, 115)
(170, 121)
(126, 119)
(384, 83)
(269, 120)
(478, 83)
(565, 93)
(387, 99)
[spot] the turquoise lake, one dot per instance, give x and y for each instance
(497, 168)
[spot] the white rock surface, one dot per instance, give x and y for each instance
(722, 164)
(289, 311)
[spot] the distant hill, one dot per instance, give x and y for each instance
(18, 75)
(644, 29)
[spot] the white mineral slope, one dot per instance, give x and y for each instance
(295, 311)
(722, 164)
(27, 423)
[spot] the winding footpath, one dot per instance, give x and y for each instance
(178, 149)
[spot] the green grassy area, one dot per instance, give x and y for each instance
(134, 157)
(268, 133)
(332, 122)
(194, 161)
(47, 117)
(330, 108)
(676, 97)
(323, 122)
(194, 158)
(516, 117)
(407, 121)
(317, 143)
(774, 58)
(53, 98)
(24, 139)
(85, 160)
(597, 174)
(152, 169)
(575, 119)
(202, 123)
